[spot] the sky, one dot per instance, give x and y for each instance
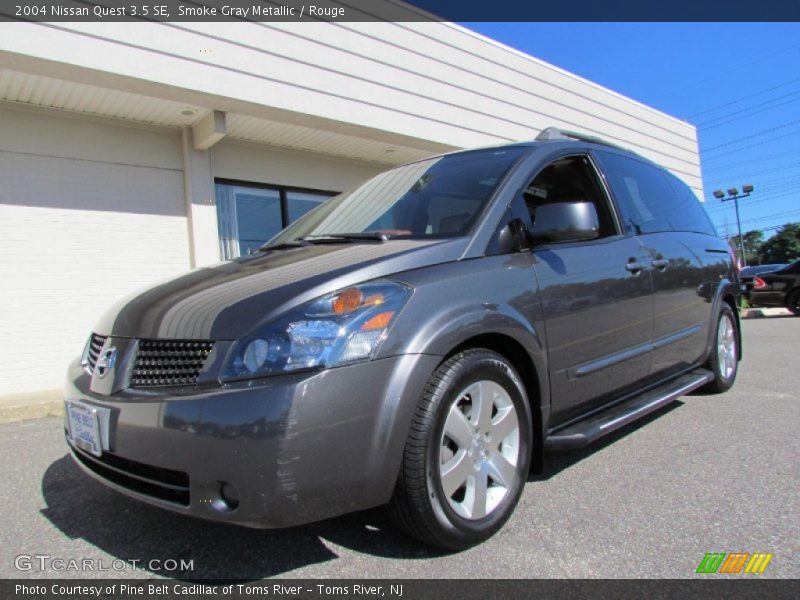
(738, 83)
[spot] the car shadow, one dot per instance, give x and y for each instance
(146, 536)
(558, 461)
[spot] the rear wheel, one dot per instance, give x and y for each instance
(467, 455)
(793, 302)
(724, 359)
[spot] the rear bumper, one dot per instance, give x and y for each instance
(756, 298)
(297, 448)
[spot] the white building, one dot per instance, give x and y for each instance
(132, 152)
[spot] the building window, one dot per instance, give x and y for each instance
(248, 215)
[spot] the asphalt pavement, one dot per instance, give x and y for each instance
(705, 474)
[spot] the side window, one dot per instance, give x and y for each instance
(652, 198)
(694, 217)
(570, 179)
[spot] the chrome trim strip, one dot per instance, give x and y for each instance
(618, 357)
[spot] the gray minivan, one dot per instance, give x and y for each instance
(419, 342)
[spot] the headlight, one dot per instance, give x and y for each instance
(342, 327)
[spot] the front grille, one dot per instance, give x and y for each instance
(169, 362)
(164, 484)
(95, 346)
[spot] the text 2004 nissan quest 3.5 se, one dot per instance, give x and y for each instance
(419, 341)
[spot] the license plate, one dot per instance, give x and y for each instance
(84, 427)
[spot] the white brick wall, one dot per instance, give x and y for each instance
(75, 236)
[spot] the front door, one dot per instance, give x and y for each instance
(596, 297)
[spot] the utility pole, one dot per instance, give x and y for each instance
(733, 194)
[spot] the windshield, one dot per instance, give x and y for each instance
(439, 197)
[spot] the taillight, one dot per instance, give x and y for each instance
(758, 283)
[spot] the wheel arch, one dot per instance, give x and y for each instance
(727, 294)
(731, 300)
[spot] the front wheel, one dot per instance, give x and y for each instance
(468, 452)
(724, 359)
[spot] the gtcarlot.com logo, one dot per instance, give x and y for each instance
(46, 562)
(732, 563)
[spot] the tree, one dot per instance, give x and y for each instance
(752, 244)
(784, 246)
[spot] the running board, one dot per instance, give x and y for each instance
(585, 432)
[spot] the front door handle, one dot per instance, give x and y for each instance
(659, 263)
(634, 266)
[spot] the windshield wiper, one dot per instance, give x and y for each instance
(327, 238)
(334, 238)
(297, 243)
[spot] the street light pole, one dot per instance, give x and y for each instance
(739, 227)
(733, 194)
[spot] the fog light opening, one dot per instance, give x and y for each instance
(227, 497)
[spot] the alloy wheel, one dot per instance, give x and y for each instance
(726, 347)
(479, 450)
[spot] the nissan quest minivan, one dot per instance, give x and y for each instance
(420, 341)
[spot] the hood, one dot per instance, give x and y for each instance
(227, 301)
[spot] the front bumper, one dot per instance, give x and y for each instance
(297, 448)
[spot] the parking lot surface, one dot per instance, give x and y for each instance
(705, 474)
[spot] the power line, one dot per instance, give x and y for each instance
(782, 191)
(788, 184)
(752, 174)
(769, 141)
(746, 108)
(782, 185)
(757, 159)
(752, 135)
(722, 209)
(747, 97)
(770, 217)
(735, 69)
(750, 114)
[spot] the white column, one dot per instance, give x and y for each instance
(201, 209)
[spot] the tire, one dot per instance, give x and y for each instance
(793, 302)
(724, 359)
(448, 443)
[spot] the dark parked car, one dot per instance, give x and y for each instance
(748, 274)
(775, 288)
(419, 341)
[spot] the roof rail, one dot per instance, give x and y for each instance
(554, 133)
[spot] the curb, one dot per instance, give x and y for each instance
(23, 407)
(760, 313)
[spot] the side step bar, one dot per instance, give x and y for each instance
(585, 432)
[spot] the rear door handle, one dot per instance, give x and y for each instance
(634, 266)
(660, 263)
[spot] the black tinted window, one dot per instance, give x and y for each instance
(692, 217)
(653, 199)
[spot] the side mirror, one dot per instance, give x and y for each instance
(514, 237)
(570, 221)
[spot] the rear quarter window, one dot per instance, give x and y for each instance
(653, 199)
